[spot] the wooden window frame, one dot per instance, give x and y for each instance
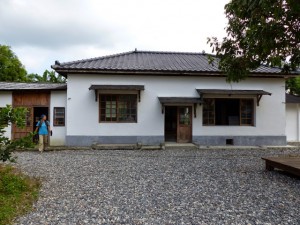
(54, 117)
(252, 114)
(117, 112)
(210, 111)
(240, 113)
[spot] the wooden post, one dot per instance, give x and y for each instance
(269, 167)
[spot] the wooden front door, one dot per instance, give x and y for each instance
(184, 124)
(22, 132)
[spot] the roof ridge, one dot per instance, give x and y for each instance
(170, 52)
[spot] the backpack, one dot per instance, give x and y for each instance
(47, 123)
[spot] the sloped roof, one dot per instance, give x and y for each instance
(151, 62)
(292, 98)
(12, 86)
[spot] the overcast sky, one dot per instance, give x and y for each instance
(42, 31)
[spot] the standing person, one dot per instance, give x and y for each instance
(43, 129)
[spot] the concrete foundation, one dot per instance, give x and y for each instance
(198, 140)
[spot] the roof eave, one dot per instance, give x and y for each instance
(65, 72)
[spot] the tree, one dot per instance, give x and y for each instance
(11, 69)
(293, 86)
(259, 32)
(9, 116)
(48, 76)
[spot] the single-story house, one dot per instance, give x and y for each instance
(155, 97)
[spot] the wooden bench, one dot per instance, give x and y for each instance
(288, 164)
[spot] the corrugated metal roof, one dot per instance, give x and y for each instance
(292, 98)
(11, 86)
(116, 87)
(147, 61)
(232, 92)
(179, 100)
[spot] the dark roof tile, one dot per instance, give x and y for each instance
(292, 98)
(145, 61)
(150, 61)
(11, 86)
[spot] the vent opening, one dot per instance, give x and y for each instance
(229, 141)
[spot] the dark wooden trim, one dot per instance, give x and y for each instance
(230, 92)
(179, 100)
(137, 88)
(117, 87)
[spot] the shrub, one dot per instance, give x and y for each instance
(10, 116)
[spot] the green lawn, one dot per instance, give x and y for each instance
(17, 193)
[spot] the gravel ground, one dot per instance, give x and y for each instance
(161, 187)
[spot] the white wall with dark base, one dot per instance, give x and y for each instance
(6, 99)
(57, 99)
(293, 122)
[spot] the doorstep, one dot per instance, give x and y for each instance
(175, 145)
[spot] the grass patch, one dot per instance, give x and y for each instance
(17, 193)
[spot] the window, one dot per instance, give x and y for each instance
(228, 112)
(209, 111)
(185, 115)
(247, 112)
(59, 116)
(118, 108)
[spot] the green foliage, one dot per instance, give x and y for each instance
(9, 116)
(293, 86)
(259, 32)
(48, 76)
(11, 69)
(17, 193)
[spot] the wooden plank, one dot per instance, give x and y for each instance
(22, 99)
(288, 164)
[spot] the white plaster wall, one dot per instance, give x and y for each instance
(292, 122)
(6, 99)
(58, 99)
(82, 114)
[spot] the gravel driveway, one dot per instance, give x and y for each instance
(161, 187)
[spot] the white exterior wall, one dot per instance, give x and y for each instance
(57, 99)
(6, 99)
(293, 122)
(83, 111)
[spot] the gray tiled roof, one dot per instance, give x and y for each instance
(149, 61)
(292, 98)
(10, 86)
